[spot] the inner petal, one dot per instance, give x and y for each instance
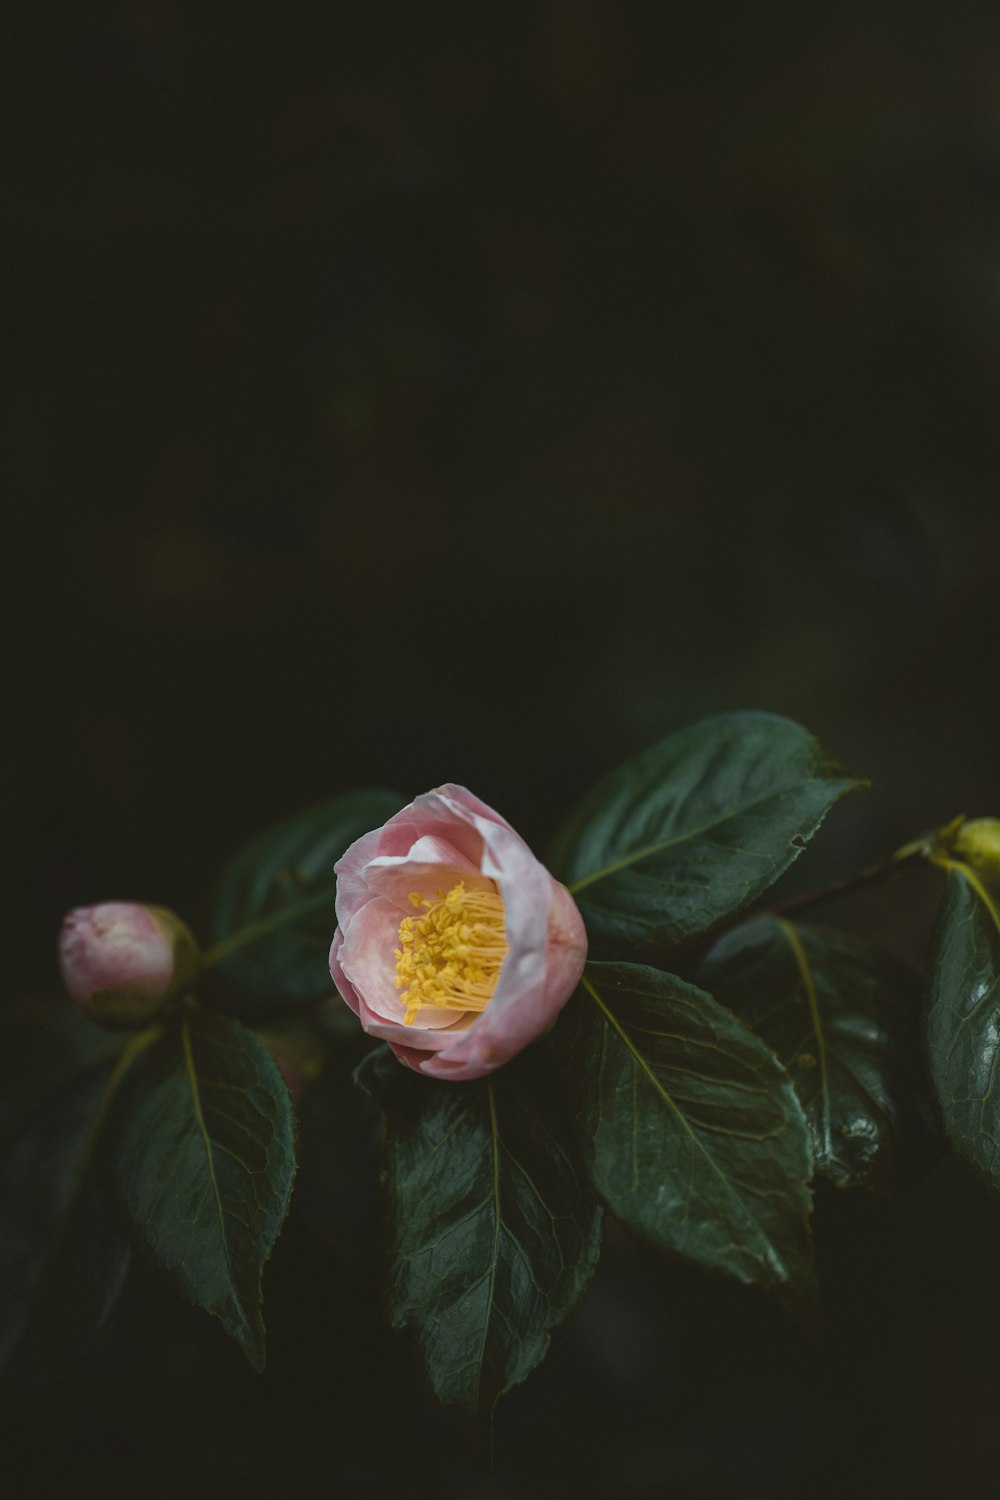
(431, 865)
(366, 959)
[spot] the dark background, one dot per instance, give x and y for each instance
(403, 393)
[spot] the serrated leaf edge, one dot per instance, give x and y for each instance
(787, 1278)
(960, 868)
(402, 1324)
(253, 1349)
(840, 788)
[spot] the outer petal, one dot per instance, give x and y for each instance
(426, 817)
(402, 1038)
(456, 797)
(113, 946)
(567, 951)
(338, 976)
(352, 886)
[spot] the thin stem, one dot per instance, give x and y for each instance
(126, 1057)
(132, 1049)
(874, 874)
(261, 928)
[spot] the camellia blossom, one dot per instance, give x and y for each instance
(454, 944)
(121, 961)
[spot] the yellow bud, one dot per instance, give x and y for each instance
(978, 844)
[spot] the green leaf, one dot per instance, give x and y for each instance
(842, 1017)
(694, 829)
(963, 1019)
(492, 1233)
(273, 917)
(693, 1133)
(205, 1164)
(48, 1221)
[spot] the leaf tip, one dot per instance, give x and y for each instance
(252, 1341)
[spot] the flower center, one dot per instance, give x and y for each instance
(451, 956)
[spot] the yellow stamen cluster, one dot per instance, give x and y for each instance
(451, 956)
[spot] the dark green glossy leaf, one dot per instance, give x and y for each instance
(963, 1019)
(492, 1233)
(53, 1233)
(273, 917)
(694, 829)
(693, 1132)
(205, 1164)
(842, 1017)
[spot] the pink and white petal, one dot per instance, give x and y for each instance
(410, 1057)
(487, 1047)
(522, 880)
(352, 887)
(369, 962)
(415, 1037)
(432, 865)
(429, 816)
(426, 817)
(461, 800)
(111, 945)
(340, 979)
(567, 951)
(431, 881)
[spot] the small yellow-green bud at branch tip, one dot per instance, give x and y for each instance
(977, 842)
(973, 842)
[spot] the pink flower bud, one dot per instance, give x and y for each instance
(454, 944)
(121, 962)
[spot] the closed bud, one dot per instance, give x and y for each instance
(978, 844)
(122, 962)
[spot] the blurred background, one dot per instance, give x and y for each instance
(408, 393)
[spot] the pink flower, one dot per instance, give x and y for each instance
(121, 961)
(454, 944)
